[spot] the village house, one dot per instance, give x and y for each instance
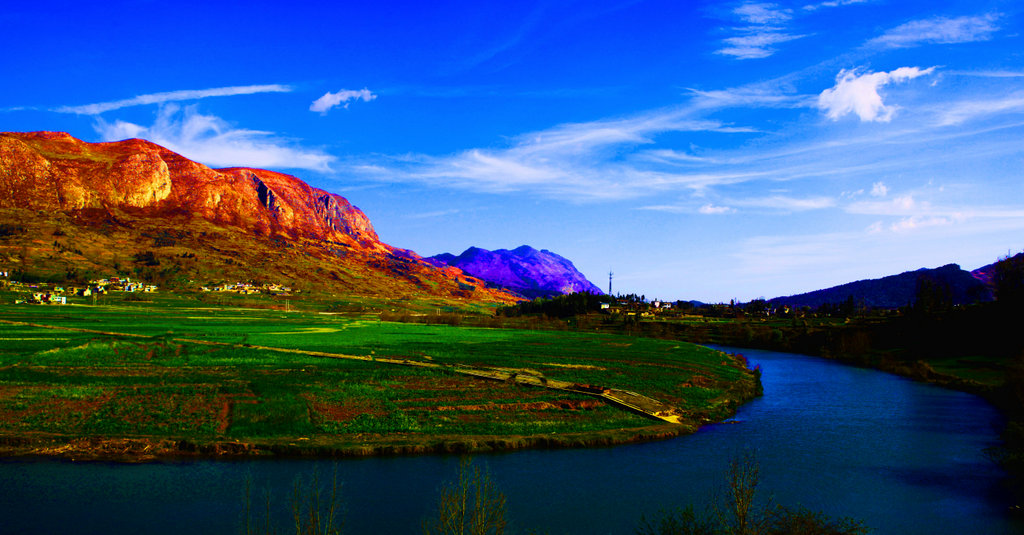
(47, 298)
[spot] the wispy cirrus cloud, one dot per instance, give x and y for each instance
(659, 152)
(938, 30)
(576, 162)
(901, 205)
(756, 44)
(434, 214)
(885, 247)
(214, 142)
(172, 96)
(960, 112)
(775, 203)
(342, 98)
(786, 203)
(762, 13)
(764, 28)
(988, 74)
(832, 3)
(858, 93)
(749, 97)
(683, 208)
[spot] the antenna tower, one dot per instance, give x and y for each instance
(610, 282)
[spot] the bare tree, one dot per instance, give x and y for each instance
(741, 517)
(470, 505)
(316, 509)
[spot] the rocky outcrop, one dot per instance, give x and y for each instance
(54, 171)
(524, 270)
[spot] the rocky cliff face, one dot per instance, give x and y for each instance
(119, 199)
(524, 270)
(54, 171)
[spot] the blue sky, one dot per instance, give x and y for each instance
(701, 150)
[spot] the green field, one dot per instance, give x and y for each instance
(167, 383)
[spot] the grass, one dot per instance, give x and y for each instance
(164, 385)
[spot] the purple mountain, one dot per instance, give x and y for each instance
(523, 270)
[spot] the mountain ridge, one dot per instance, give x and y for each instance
(524, 270)
(894, 291)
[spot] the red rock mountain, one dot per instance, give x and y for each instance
(136, 184)
(54, 171)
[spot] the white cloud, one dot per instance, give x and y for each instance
(762, 30)
(172, 96)
(214, 142)
(674, 157)
(939, 30)
(754, 45)
(912, 223)
(669, 208)
(858, 93)
(833, 3)
(782, 202)
(762, 13)
(879, 189)
(901, 205)
(330, 100)
(905, 202)
(711, 209)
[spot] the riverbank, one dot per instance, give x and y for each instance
(146, 449)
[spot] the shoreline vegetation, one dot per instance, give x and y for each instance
(171, 376)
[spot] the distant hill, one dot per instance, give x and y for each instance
(986, 274)
(523, 270)
(895, 290)
(72, 210)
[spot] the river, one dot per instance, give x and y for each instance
(903, 457)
